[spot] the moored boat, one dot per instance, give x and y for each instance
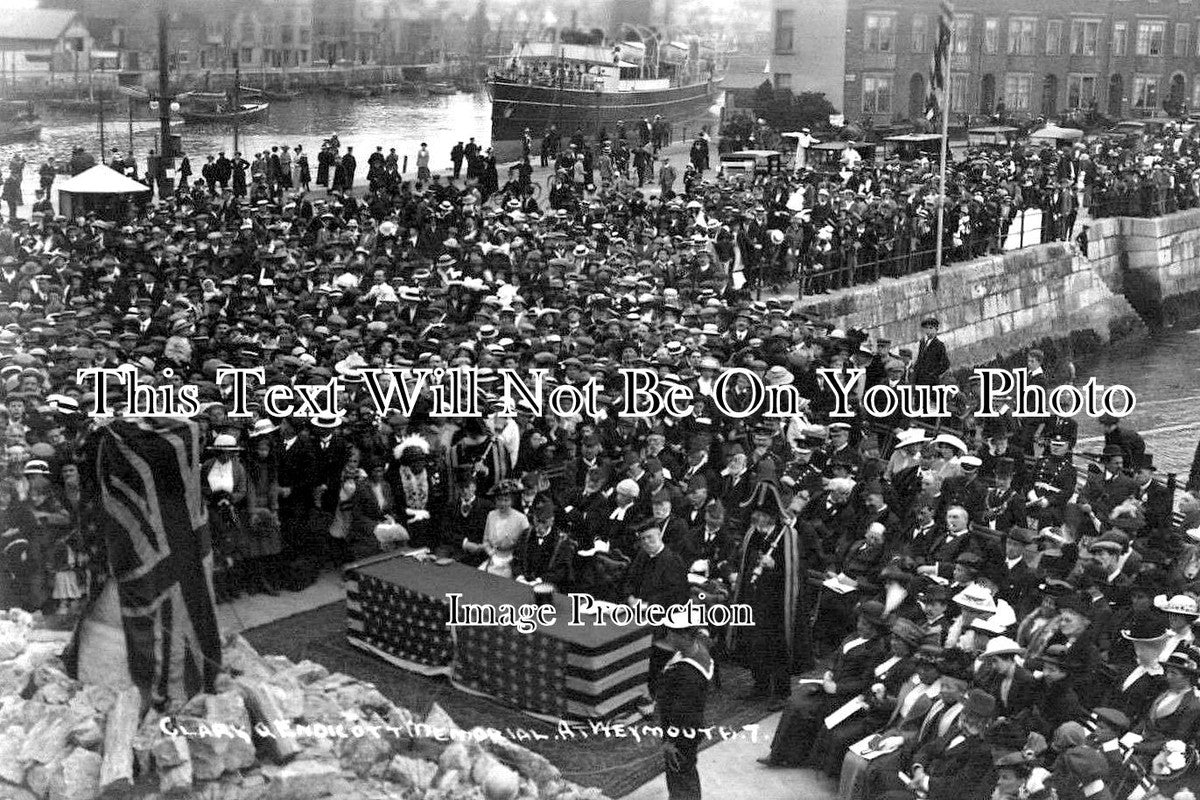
(219, 114)
(442, 88)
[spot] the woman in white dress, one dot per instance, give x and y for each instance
(503, 530)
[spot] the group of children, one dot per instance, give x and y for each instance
(44, 565)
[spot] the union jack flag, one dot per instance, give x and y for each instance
(939, 69)
(146, 487)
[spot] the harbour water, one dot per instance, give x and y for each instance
(1164, 373)
(399, 121)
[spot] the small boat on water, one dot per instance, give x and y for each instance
(219, 114)
(20, 130)
(279, 95)
(442, 88)
(19, 122)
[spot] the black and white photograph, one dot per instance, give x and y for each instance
(629, 400)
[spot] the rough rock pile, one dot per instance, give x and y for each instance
(274, 730)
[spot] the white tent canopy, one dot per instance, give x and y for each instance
(102, 191)
(1056, 133)
(101, 180)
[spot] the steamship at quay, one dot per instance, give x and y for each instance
(593, 87)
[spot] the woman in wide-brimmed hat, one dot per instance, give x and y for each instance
(1175, 712)
(504, 528)
(264, 540)
(223, 484)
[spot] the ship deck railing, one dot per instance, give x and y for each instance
(550, 82)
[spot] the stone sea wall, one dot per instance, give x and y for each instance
(1138, 272)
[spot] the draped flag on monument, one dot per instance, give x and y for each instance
(145, 479)
(939, 68)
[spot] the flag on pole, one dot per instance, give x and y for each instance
(152, 517)
(940, 68)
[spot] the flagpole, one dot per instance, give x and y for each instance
(942, 68)
(941, 211)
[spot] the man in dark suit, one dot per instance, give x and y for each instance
(465, 522)
(657, 575)
(954, 540)
(587, 509)
(931, 362)
(329, 456)
(954, 767)
(1155, 499)
(736, 487)
(1132, 446)
(296, 474)
(545, 550)
(692, 509)
(1108, 486)
(675, 531)
(918, 538)
(1017, 581)
(715, 542)
(1004, 505)
(965, 490)
(698, 465)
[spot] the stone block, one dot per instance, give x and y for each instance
(303, 779)
(79, 778)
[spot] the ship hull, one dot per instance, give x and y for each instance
(517, 106)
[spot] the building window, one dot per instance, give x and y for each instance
(1018, 89)
(1022, 31)
(877, 33)
(1182, 29)
(1196, 91)
(1054, 35)
(783, 80)
(960, 39)
(920, 34)
(1150, 37)
(1081, 90)
(247, 55)
(248, 31)
(1145, 91)
(1085, 35)
(785, 31)
(991, 36)
(958, 91)
(877, 94)
(1120, 38)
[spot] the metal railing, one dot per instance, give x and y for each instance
(843, 266)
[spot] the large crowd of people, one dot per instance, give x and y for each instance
(1004, 615)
